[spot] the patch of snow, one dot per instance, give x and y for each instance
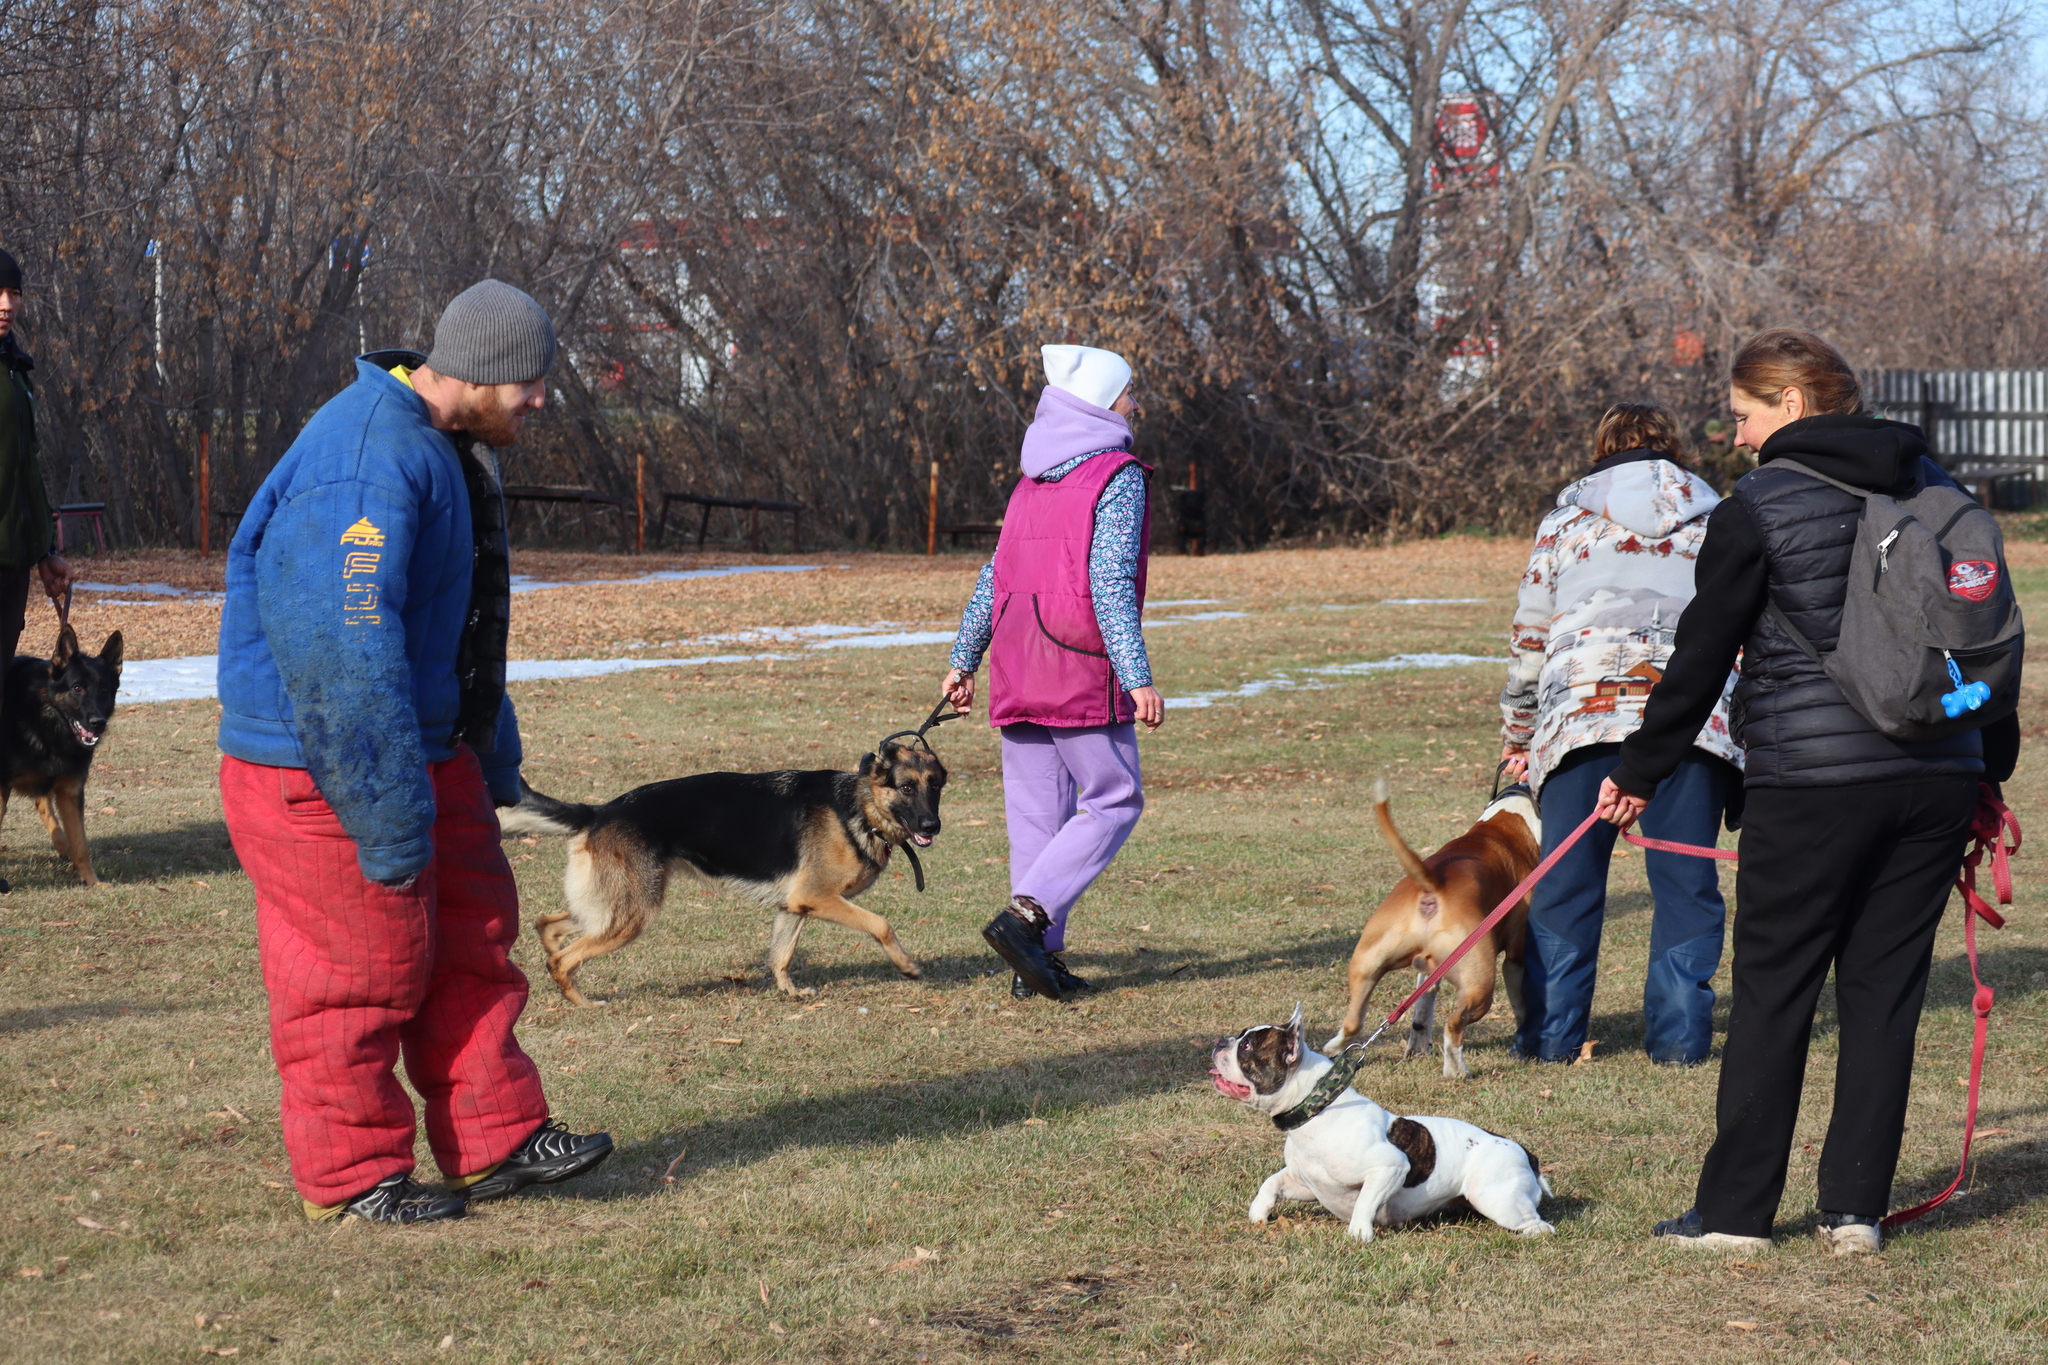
(161, 591)
(527, 583)
(1314, 679)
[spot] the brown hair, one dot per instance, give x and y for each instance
(1786, 358)
(1636, 426)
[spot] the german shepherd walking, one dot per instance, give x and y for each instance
(803, 843)
(56, 714)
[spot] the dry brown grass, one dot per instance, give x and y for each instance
(1082, 1188)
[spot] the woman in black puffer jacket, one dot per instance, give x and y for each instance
(1850, 838)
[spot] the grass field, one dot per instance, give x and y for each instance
(926, 1171)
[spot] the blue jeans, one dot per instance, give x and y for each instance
(1567, 908)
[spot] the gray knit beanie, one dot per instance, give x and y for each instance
(492, 333)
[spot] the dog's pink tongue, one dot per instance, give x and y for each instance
(1226, 1086)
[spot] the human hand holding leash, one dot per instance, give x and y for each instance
(959, 690)
(1616, 806)
(1515, 759)
(56, 575)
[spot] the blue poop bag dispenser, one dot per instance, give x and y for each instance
(1967, 696)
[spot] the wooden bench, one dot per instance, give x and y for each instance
(754, 507)
(583, 497)
(971, 530)
(94, 512)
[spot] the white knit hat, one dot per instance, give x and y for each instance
(1091, 375)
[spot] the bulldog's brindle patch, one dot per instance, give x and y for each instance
(1420, 1149)
(803, 843)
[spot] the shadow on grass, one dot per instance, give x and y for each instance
(939, 1106)
(1107, 971)
(128, 858)
(2001, 1179)
(55, 1016)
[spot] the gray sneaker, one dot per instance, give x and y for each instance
(1850, 1234)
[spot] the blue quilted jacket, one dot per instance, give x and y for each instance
(348, 585)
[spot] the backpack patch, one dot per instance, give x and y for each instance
(1972, 579)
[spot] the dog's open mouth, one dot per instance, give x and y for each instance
(921, 840)
(85, 736)
(1226, 1086)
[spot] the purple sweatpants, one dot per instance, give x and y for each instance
(1072, 796)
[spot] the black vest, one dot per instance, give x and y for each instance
(1797, 728)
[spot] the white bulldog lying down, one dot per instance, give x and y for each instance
(1356, 1159)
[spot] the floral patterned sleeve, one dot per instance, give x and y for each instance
(1113, 575)
(1529, 639)
(976, 623)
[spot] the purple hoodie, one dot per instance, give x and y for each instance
(1065, 426)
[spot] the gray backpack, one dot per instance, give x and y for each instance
(1931, 641)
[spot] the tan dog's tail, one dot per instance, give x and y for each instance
(1410, 861)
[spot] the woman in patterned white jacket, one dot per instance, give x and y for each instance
(1594, 625)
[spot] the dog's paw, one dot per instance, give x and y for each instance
(1539, 1228)
(1261, 1211)
(1338, 1042)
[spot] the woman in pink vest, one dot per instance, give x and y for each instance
(1057, 612)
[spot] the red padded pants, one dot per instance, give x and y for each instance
(359, 973)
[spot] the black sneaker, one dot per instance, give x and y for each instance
(1690, 1230)
(1017, 933)
(401, 1199)
(1020, 991)
(552, 1154)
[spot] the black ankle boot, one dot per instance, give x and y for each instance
(1017, 933)
(1069, 984)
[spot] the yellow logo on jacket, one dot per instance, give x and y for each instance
(362, 533)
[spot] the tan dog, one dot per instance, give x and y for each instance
(1431, 910)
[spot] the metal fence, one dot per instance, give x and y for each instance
(1987, 427)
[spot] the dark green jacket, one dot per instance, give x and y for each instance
(24, 503)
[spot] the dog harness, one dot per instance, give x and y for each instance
(1334, 1082)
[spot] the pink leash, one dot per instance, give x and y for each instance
(1991, 824)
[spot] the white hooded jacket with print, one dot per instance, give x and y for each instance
(1598, 611)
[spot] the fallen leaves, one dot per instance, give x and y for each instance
(1743, 1326)
(729, 1042)
(668, 1177)
(919, 1256)
(92, 1224)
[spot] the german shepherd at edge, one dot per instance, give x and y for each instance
(56, 714)
(802, 843)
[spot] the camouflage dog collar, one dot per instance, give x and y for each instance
(1334, 1082)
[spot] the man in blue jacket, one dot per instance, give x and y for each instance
(367, 733)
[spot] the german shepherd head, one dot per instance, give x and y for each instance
(900, 786)
(78, 690)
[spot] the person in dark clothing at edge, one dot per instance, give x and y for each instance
(1850, 839)
(25, 525)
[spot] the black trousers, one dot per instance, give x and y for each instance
(1853, 878)
(13, 609)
